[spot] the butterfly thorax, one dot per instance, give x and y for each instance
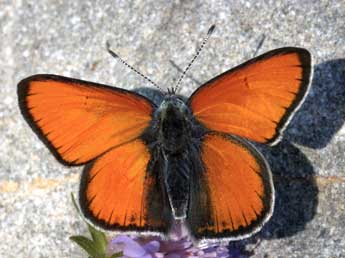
(174, 123)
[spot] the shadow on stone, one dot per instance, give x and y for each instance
(323, 112)
(296, 190)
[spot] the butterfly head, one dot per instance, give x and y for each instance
(173, 116)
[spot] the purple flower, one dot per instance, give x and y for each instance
(178, 245)
(132, 247)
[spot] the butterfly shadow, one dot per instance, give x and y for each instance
(295, 190)
(323, 112)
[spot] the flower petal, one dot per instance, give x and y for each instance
(147, 256)
(173, 256)
(171, 246)
(130, 247)
(152, 246)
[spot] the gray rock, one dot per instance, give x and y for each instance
(68, 38)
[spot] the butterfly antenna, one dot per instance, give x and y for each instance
(113, 54)
(210, 31)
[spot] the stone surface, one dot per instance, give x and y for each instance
(68, 38)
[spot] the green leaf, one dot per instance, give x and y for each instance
(120, 254)
(99, 243)
(99, 239)
(88, 245)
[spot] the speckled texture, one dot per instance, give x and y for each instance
(68, 38)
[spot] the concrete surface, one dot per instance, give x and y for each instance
(68, 38)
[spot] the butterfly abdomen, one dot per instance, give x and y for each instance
(177, 183)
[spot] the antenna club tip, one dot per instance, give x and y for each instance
(211, 29)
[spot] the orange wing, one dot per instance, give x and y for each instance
(256, 99)
(118, 192)
(80, 120)
(237, 190)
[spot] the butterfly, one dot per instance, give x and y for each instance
(147, 165)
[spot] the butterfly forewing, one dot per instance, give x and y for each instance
(238, 193)
(80, 120)
(257, 98)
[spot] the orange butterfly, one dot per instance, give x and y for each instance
(147, 165)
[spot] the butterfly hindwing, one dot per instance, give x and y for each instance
(118, 192)
(255, 100)
(80, 120)
(233, 196)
